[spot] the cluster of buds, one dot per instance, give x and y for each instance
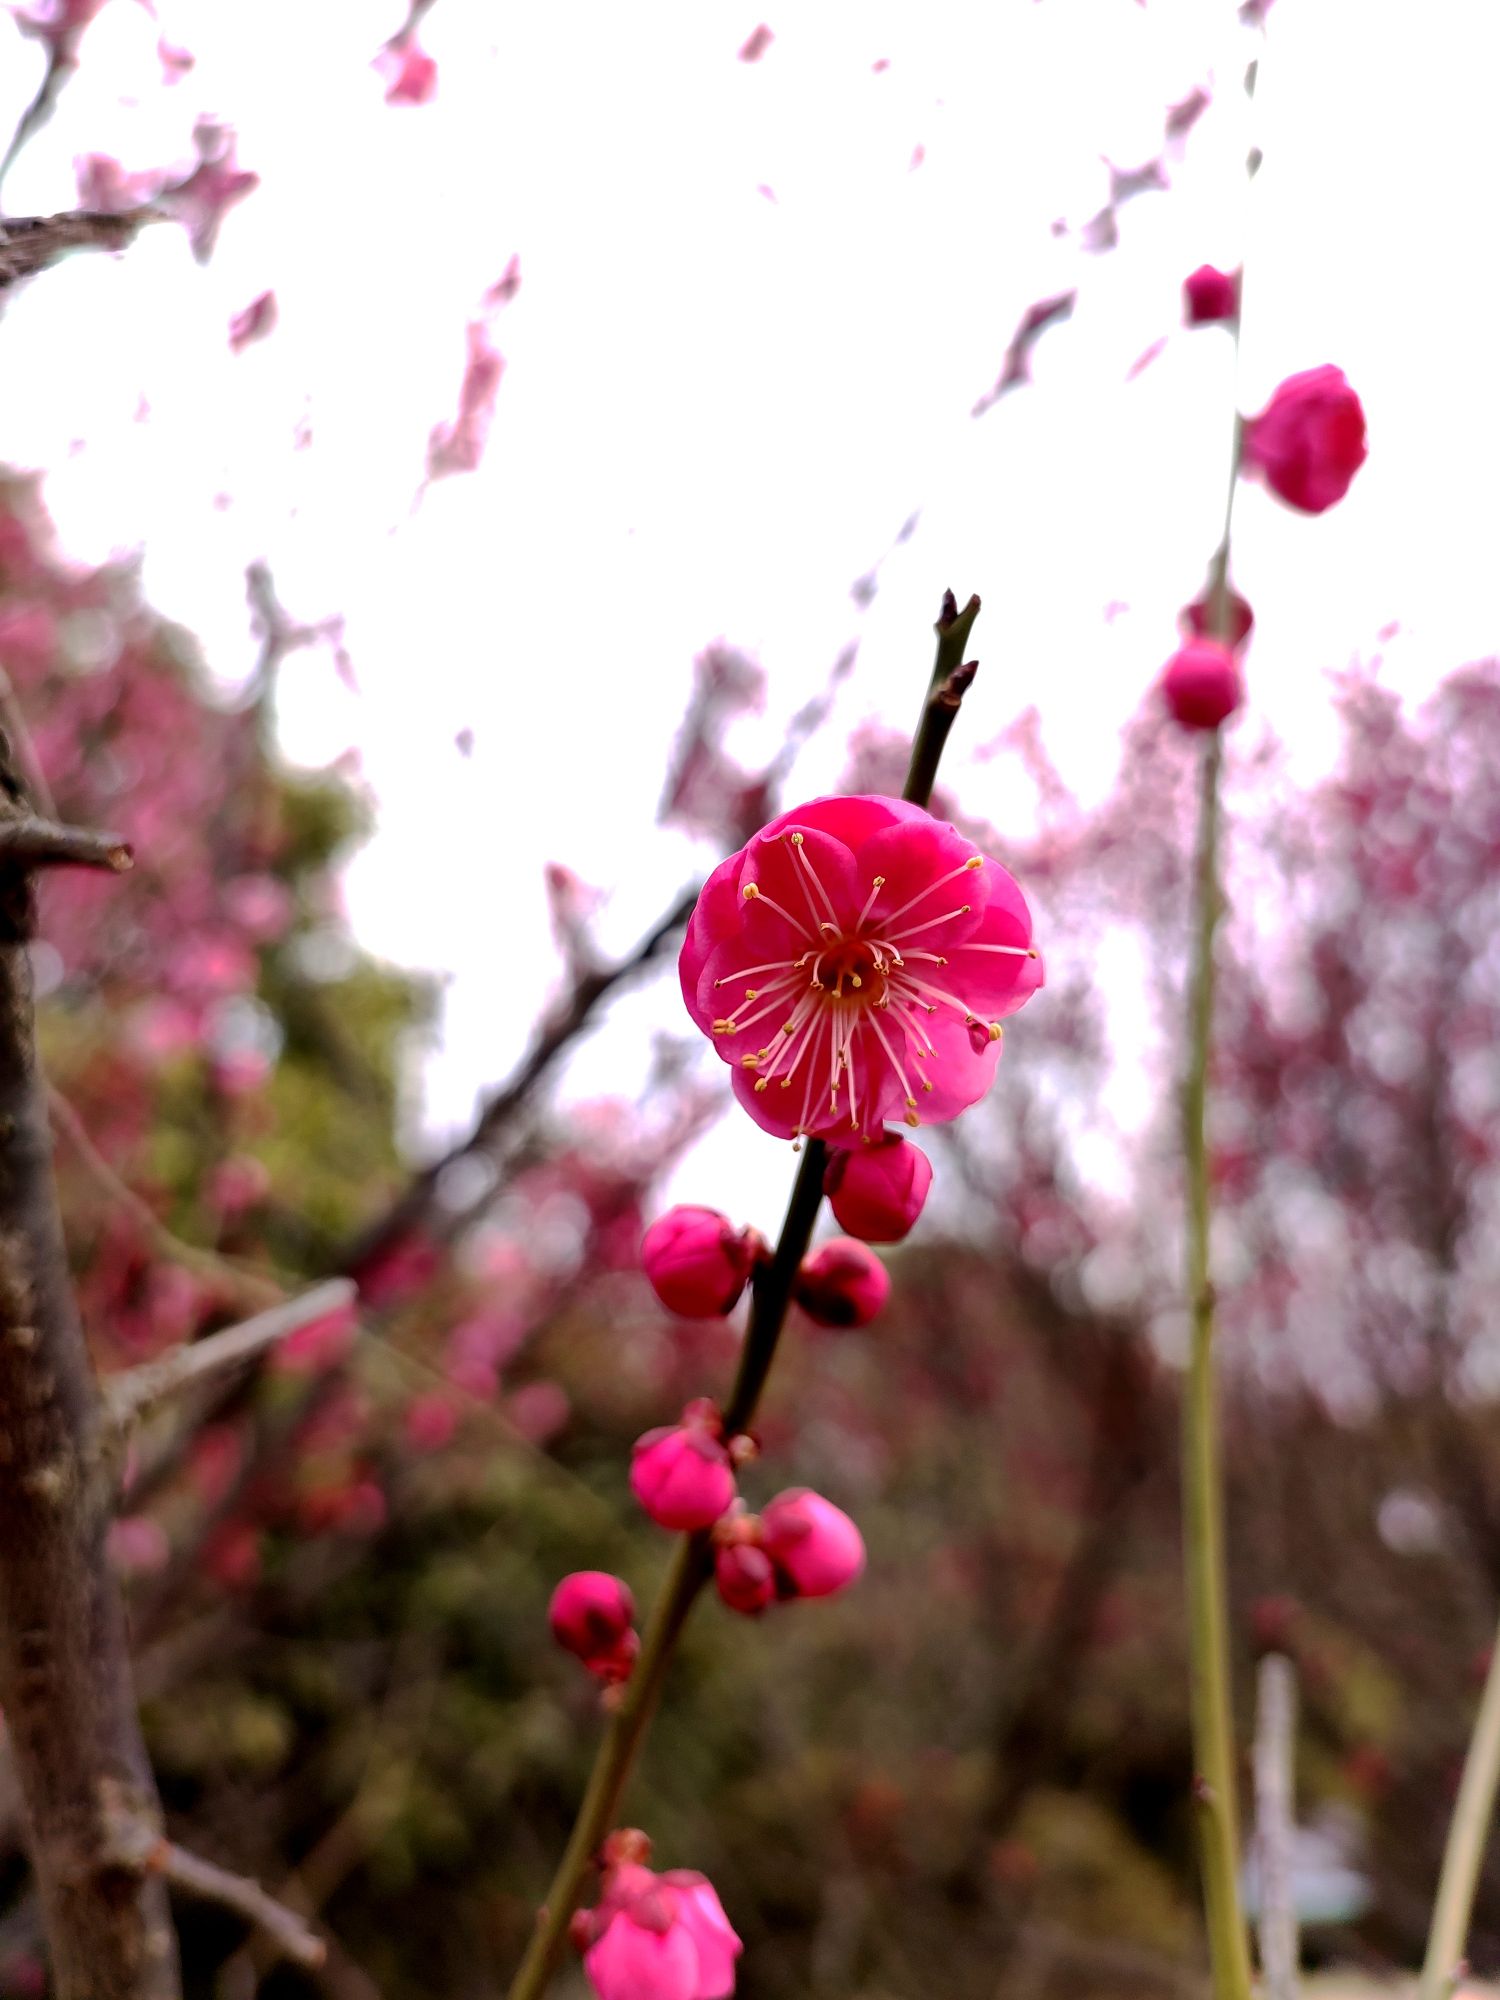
(664, 1936)
(800, 1545)
(592, 1616)
(1306, 445)
(852, 966)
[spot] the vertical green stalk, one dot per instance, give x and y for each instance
(1202, 1476)
(1472, 1814)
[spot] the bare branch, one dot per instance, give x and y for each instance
(29, 243)
(140, 1847)
(413, 1210)
(43, 843)
(130, 1395)
(239, 1281)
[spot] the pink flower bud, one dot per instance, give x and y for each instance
(1201, 684)
(815, 1547)
(697, 1261)
(842, 1284)
(1197, 618)
(656, 1937)
(745, 1578)
(1210, 295)
(1309, 441)
(877, 1192)
(591, 1616)
(682, 1475)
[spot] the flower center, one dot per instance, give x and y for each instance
(852, 1001)
(855, 969)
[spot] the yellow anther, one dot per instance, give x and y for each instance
(855, 980)
(975, 861)
(752, 992)
(879, 881)
(761, 1082)
(925, 1084)
(912, 1119)
(725, 1028)
(749, 892)
(749, 1062)
(996, 1031)
(795, 838)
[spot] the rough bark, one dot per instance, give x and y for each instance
(65, 1682)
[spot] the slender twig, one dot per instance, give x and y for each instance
(28, 842)
(29, 243)
(1442, 1968)
(25, 747)
(1214, 1788)
(1213, 1736)
(60, 66)
(239, 1281)
(131, 1395)
(692, 1565)
(1275, 1748)
(139, 1847)
(414, 1209)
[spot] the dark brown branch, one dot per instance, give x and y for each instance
(65, 1681)
(414, 1210)
(141, 1849)
(29, 243)
(42, 843)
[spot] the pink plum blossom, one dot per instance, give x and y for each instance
(1201, 684)
(853, 964)
(878, 1191)
(697, 1262)
(682, 1474)
(254, 323)
(657, 1937)
(1309, 441)
(814, 1546)
(842, 1284)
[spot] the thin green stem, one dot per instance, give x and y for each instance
(1213, 1738)
(1472, 1814)
(693, 1564)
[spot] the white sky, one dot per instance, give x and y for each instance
(719, 408)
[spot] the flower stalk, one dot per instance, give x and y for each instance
(693, 1564)
(1442, 1967)
(1202, 1475)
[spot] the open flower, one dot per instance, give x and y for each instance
(853, 964)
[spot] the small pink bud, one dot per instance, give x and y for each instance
(745, 1577)
(814, 1546)
(698, 1263)
(1197, 618)
(1309, 441)
(842, 1284)
(656, 1937)
(1210, 295)
(591, 1616)
(682, 1476)
(1201, 684)
(877, 1192)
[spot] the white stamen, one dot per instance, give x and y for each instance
(870, 903)
(974, 861)
(754, 894)
(800, 850)
(899, 937)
